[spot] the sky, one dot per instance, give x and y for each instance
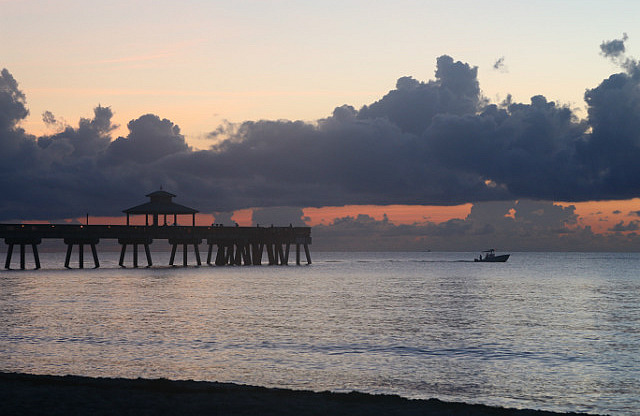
(421, 124)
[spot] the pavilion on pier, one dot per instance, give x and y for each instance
(161, 204)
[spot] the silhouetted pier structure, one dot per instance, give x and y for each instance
(233, 245)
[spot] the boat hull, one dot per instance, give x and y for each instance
(495, 259)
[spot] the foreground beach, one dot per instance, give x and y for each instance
(26, 394)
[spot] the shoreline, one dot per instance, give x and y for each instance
(28, 394)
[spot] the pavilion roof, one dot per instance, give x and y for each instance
(160, 203)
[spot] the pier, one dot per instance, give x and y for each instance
(231, 245)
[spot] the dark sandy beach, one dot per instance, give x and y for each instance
(24, 394)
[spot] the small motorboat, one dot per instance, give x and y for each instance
(490, 257)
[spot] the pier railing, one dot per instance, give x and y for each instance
(234, 245)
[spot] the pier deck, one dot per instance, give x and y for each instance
(234, 245)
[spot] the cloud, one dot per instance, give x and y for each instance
(413, 104)
(613, 48)
(150, 139)
(423, 143)
(49, 118)
(630, 226)
(535, 226)
(279, 216)
(12, 102)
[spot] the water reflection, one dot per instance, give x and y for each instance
(535, 332)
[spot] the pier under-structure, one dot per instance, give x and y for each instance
(233, 245)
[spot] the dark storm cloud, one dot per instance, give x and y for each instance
(613, 48)
(434, 142)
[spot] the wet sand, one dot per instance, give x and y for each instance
(23, 394)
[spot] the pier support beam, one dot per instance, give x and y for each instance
(185, 244)
(22, 242)
(135, 242)
(233, 253)
(257, 249)
(81, 242)
(306, 251)
(305, 244)
(221, 257)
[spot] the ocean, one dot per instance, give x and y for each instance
(547, 331)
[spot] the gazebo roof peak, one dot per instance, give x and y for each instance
(160, 193)
(160, 203)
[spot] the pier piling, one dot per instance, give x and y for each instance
(81, 242)
(22, 242)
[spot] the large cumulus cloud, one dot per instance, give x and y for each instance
(434, 142)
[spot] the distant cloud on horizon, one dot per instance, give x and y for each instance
(504, 225)
(439, 142)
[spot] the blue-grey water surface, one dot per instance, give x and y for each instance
(551, 331)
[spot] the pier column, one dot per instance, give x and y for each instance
(81, 255)
(147, 251)
(22, 260)
(94, 252)
(185, 242)
(238, 255)
(306, 251)
(286, 254)
(122, 251)
(7, 264)
(256, 254)
(197, 251)
(22, 242)
(303, 241)
(209, 252)
(221, 255)
(173, 254)
(228, 258)
(246, 254)
(271, 254)
(67, 258)
(280, 254)
(80, 242)
(135, 242)
(34, 247)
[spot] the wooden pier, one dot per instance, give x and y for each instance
(232, 245)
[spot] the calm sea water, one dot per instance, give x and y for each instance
(552, 331)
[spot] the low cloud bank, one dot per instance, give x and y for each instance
(523, 225)
(435, 142)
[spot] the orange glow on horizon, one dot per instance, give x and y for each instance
(397, 214)
(601, 216)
